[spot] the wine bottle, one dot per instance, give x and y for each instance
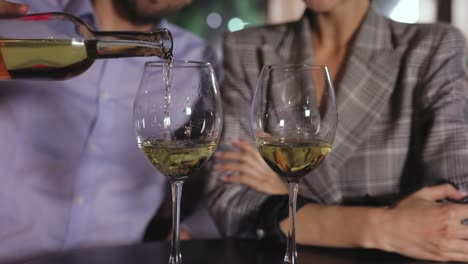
(59, 46)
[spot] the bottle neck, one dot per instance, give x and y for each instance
(117, 44)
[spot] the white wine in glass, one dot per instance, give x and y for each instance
(177, 159)
(294, 120)
(178, 120)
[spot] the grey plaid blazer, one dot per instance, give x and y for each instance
(402, 114)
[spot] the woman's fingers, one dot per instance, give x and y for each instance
(242, 178)
(256, 165)
(450, 250)
(264, 180)
(242, 145)
(454, 223)
(422, 227)
(457, 231)
(440, 192)
(454, 256)
(249, 156)
(230, 155)
(240, 163)
(238, 168)
(246, 166)
(266, 185)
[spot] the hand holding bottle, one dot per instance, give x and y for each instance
(8, 9)
(29, 45)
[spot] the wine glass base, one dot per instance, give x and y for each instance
(175, 260)
(290, 260)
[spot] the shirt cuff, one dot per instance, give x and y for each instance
(274, 210)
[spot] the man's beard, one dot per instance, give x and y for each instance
(130, 9)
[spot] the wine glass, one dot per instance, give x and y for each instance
(178, 120)
(294, 120)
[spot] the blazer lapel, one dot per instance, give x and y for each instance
(369, 77)
(285, 44)
(289, 44)
(368, 80)
(275, 48)
(266, 54)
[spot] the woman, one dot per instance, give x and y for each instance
(402, 103)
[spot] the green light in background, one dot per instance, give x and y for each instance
(235, 24)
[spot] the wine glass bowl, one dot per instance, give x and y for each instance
(294, 119)
(177, 120)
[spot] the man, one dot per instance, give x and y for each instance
(72, 175)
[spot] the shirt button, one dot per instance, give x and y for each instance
(93, 147)
(80, 200)
(105, 96)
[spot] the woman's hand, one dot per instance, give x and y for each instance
(246, 166)
(8, 9)
(421, 226)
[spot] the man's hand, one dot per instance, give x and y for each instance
(8, 9)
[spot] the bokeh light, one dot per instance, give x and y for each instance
(214, 20)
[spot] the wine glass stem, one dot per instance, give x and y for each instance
(176, 188)
(291, 253)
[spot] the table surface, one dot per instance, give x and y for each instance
(222, 252)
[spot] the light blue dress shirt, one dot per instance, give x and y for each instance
(71, 174)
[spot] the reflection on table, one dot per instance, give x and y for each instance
(222, 251)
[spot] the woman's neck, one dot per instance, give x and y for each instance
(332, 33)
(336, 28)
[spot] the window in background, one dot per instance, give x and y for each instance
(459, 17)
(408, 11)
(210, 19)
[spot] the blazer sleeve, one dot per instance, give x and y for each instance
(234, 207)
(444, 114)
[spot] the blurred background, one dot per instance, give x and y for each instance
(209, 19)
